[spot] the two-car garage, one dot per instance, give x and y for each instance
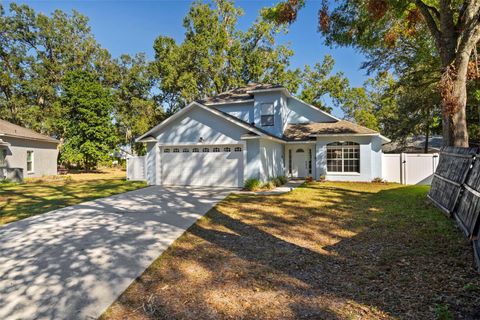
(202, 165)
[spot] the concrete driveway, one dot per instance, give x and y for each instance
(74, 262)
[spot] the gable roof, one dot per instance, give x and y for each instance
(12, 130)
(242, 94)
(146, 137)
(302, 131)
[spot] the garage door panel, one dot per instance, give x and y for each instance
(203, 168)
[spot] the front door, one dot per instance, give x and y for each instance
(300, 162)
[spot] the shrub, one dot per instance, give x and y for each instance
(378, 180)
(322, 178)
(253, 184)
(283, 179)
(277, 182)
(269, 185)
(309, 179)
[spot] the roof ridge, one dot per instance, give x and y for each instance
(25, 134)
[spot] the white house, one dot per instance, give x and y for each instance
(258, 131)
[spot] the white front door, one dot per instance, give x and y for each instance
(300, 162)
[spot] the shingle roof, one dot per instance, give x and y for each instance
(13, 130)
(303, 131)
(238, 94)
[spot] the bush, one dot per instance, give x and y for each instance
(378, 180)
(253, 184)
(322, 178)
(283, 179)
(269, 185)
(309, 179)
(277, 182)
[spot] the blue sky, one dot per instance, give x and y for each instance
(131, 26)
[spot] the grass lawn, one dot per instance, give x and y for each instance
(35, 196)
(324, 251)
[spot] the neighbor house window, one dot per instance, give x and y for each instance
(30, 161)
(3, 157)
(267, 115)
(343, 157)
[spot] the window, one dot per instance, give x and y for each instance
(195, 150)
(343, 157)
(3, 157)
(205, 150)
(166, 150)
(176, 150)
(300, 151)
(267, 115)
(185, 150)
(310, 161)
(30, 161)
(227, 149)
(290, 161)
(238, 149)
(216, 149)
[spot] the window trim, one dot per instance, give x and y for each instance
(337, 145)
(268, 115)
(32, 161)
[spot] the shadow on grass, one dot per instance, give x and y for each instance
(324, 251)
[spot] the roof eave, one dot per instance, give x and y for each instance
(50, 140)
(229, 102)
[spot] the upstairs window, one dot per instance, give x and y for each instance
(343, 157)
(267, 115)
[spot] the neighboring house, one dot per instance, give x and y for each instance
(36, 154)
(258, 131)
(414, 144)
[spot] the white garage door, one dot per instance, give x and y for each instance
(203, 165)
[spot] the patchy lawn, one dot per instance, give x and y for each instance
(328, 250)
(35, 196)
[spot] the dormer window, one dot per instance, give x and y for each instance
(267, 116)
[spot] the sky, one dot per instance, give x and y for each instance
(131, 26)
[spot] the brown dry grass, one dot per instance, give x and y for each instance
(324, 251)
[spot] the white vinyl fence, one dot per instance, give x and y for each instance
(136, 168)
(409, 168)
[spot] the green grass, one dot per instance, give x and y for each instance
(37, 196)
(326, 250)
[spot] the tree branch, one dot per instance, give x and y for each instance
(432, 25)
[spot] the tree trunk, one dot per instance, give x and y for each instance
(455, 121)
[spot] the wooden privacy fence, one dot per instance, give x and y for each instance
(455, 189)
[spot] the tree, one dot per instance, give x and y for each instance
(317, 83)
(36, 51)
(90, 134)
(376, 26)
(216, 56)
(134, 109)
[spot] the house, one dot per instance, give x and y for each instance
(24, 152)
(258, 131)
(414, 144)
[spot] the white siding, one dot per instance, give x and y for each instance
(45, 156)
(243, 111)
(299, 112)
(271, 154)
(366, 163)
